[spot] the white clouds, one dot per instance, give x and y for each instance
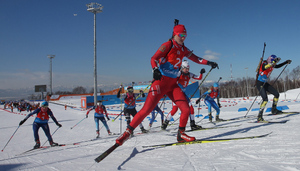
(210, 55)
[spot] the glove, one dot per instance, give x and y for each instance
(219, 105)
(156, 74)
(197, 101)
(86, 116)
(22, 121)
(107, 118)
(58, 124)
(288, 61)
(276, 60)
(212, 64)
(202, 71)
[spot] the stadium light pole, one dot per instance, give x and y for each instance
(95, 8)
(51, 57)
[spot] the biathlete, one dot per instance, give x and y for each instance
(130, 106)
(41, 121)
(166, 64)
(209, 100)
(183, 81)
(263, 86)
(100, 111)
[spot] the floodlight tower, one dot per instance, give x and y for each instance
(95, 8)
(51, 57)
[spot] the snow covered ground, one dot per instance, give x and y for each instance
(278, 151)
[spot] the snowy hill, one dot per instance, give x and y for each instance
(278, 151)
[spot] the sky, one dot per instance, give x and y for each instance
(130, 32)
(278, 151)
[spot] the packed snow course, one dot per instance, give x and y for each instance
(278, 151)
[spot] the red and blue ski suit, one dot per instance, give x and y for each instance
(210, 95)
(169, 57)
(41, 120)
(99, 115)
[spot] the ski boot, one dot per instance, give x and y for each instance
(37, 144)
(275, 111)
(53, 144)
(124, 137)
(164, 125)
(109, 133)
(144, 130)
(260, 116)
(194, 126)
(210, 117)
(98, 134)
(219, 119)
(182, 137)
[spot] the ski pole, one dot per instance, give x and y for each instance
(78, 122)
(51, 135)
(121, 117)
(219, 79)
(132, 101)
(297, 97)
(201, 83)
(10, 138)
(199, 103)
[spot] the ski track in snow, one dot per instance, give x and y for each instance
(278, 151)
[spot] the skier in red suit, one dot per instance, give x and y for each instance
(166, 63)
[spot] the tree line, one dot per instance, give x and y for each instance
(243, 87)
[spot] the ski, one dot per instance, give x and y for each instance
(202, 141)
(270, 122)
(44, 147)
(284, 113)
(150, 132)
(217, 127)
(106, 153)
(233, 119)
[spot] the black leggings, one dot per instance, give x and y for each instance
(263, 88)
(129, 112)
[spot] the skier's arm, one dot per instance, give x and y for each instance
(87, 113)
(53, 118)
(218, 101)
(196, 77)
(161, 52)
(199, 60)
(105, 112)
(283, 63)
(266, 65)
(206, 93)
(30, 114)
